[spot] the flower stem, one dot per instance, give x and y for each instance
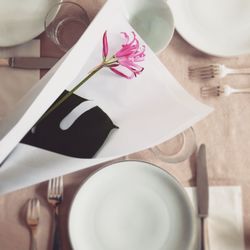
(71, 92)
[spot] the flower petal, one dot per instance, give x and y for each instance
(126, 36)
(129, 54)
(122, 74)
(105, 47)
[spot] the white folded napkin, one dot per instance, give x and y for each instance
(15, 83)
(225, 221)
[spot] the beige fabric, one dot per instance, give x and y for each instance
(226, 133)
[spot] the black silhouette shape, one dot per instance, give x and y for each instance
(82, 139)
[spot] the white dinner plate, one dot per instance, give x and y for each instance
(22, 20)
(132, 205)
(217, 27)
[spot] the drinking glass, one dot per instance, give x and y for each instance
(64, 24)
(177, 149)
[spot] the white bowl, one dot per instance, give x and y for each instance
(152, 20)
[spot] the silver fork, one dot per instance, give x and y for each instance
(214, 71)
(32, 218)
(221, 90)
(55, 197)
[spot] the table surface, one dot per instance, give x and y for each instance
(225, 132)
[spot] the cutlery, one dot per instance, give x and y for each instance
(202, 195)
(29, 62)
(215, 71)
(221, 90)
(33, 213)
(55, 198)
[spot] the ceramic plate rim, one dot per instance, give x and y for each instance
(27, 39)
(208, 52)
(178, 183)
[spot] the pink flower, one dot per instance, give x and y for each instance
(127, 57)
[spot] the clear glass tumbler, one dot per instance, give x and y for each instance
(177, 149)
(64, 24)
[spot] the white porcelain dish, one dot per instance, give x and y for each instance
(132, 205)
(21, 21)
(152, 20)
(216, 27)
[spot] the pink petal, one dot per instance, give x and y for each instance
(122, 53)
(122, 74)
(135, 68)
(129, 54)
(133, 44)
(105, 47)
(141, 51)
(134, 38)
(126, 36)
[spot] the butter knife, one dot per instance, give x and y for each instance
(29, 62)
(202, 195)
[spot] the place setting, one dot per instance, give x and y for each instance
(122, 204)
(112, 137)
(142, 207)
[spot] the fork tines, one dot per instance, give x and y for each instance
(211, 91)
(55, 189)
(33, 212)
(205, 72)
